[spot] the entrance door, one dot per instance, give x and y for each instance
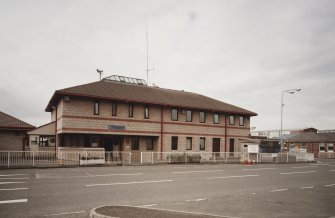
(231, 146)
(216, 145)
(107, 143)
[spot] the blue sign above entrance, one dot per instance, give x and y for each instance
(116, 127)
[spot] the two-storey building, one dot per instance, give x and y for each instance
(124, 114)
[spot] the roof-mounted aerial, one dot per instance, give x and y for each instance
(124, 79)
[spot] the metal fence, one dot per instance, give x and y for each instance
(327, 154)
(224, 157)
(15, 159)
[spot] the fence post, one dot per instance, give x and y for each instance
(214, 157)
(287, 157)
(257, 157)
(248, 157)
(278, 157)
(8, 156)
(129, 157)
(169, 158)
(152, 157)
(141, 158)
(33, 158)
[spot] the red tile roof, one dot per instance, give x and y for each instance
(111, 90)
(9, 122)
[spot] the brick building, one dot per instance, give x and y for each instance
(124, 114)
(13, 133)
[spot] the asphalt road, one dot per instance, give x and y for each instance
(269, 190)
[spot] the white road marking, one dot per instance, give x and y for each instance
(331, 165)
(195, 200)
(298, 172)
(307, 187)
(148, 205)
(17, 178)
(121, 174)
(13, 175)
(130, 183)
(3, 183)
(332, 170)
(12, 189)
(330, 185)
(261, 169)
(228, 177)
(199, 171)
(14, 201)
(60, 214)
(304, 167)
(279, 190)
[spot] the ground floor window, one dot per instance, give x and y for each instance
(174, 143)
(330, 147)
(188, 143)
(202, 144)
(150, 143)
(322, 147)
(135, 143)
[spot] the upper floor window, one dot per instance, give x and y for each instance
(174, 114)
(202, 117)
(216, 118)
(135, 143)
(188, 143)
(114, 109)
(174, 143)
(131, 110)
(241, 121)
(146, 112)
(188, 116)
(96, 108)
(231, 120)
(202, 144)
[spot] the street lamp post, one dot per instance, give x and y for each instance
(291, 91)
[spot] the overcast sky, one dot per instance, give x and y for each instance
(241, 52)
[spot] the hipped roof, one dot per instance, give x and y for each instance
(12, 123)
(118, 91)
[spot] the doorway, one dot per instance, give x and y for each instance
(216, 145)
(231, 147)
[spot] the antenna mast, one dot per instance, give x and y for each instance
(100, 72)
(146, 34)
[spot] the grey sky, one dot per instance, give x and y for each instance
(240, 52)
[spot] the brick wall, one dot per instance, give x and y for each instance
(11, 140)
(77, 116)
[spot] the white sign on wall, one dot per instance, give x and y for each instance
(253, 148)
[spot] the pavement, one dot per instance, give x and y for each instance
(270, 190)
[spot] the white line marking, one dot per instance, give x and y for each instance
(60, 214)
(330, 185)
(16, 178)
(261, 169)
(130, 183)
(279, 190)
(331, 165)
(148, 205)
(203, 171)
(13, 174)
(14, 201)
(307, 187)
(2, 183)
(12, 189)
(129, 174)
(297, 172)
(195, 200)
(332, 170)
(228, 177)
(305, 167)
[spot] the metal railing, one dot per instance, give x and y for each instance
(13, 159)
(326, 154)
(224, 157)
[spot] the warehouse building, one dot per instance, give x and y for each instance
(125, 114)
